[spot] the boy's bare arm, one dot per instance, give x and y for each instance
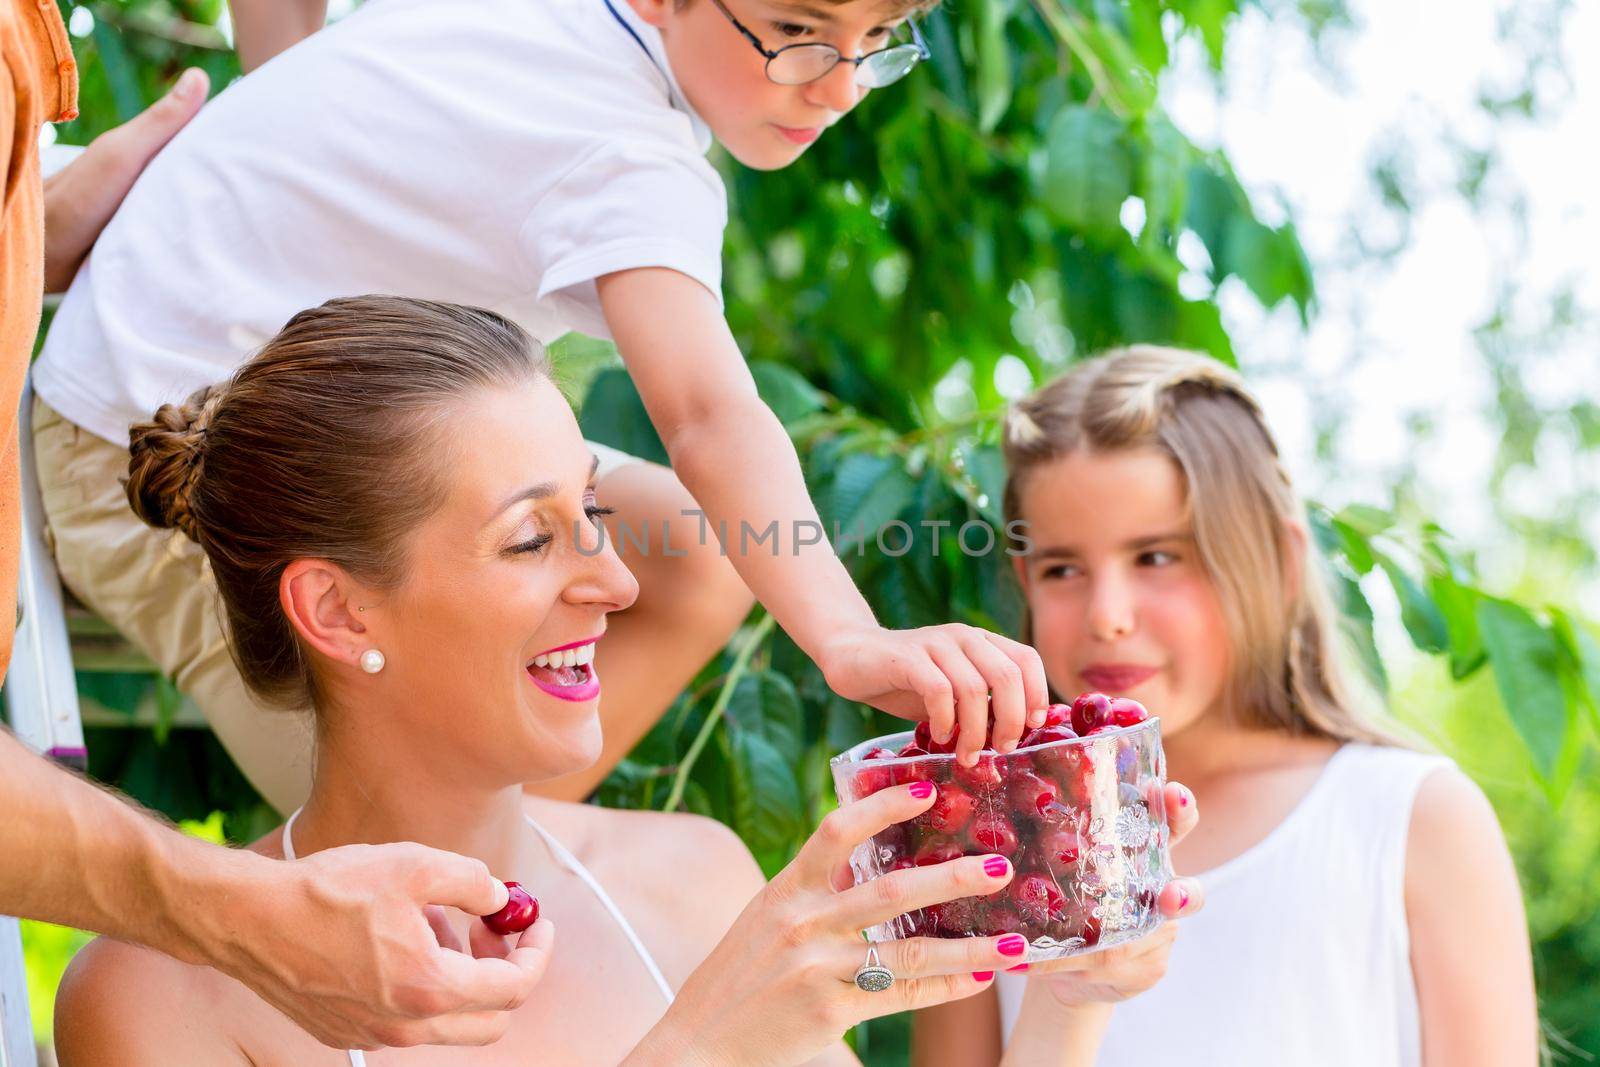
(736, 459)
(263, 28)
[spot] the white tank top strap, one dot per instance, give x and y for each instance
(572, 864)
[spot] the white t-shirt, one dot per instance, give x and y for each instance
(499, 153)
(1302, 953)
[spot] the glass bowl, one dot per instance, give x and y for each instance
(1083, 822)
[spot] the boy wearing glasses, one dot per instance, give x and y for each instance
(544, 158)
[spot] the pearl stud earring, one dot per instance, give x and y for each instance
(372, 661)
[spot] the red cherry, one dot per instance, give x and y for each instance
(1057, 715)
(871, 779)
(1127, 712)
(906, 773)
(992, 832)
(938, 849)
(922, 737)
(1001, 920)
(1061, 846)
(1032, 795)
(1054, 760)
(1037, 898)
(986, 774)
(951, 810)
(521, 911)
(1105, 728)
(1089, 711)
(956, 918)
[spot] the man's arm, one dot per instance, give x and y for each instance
(339, 942)
(735, 458)
(263, 28)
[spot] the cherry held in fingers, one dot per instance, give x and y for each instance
(521, 911)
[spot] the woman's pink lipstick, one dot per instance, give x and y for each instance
(586, 684)
(582, 691)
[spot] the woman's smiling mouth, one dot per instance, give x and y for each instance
(567, 672)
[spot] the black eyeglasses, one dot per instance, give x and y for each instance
(797, 64)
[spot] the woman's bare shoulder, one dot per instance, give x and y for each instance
(655, 863)
(124, 1004)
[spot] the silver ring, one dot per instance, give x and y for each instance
(873, 976)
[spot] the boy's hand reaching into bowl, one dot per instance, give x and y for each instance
(950, 675)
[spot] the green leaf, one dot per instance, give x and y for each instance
(1163, 177)
(1420, 615)
(867, 492)
(994, 65)
(766, 704)
(767, 809)
(120, 72)
(1088, 171)
(614, 415)
(786, 392)
(1584, 652)
(1354, 545)
(1458, 605)
(1365, 519)
(1526, 659)
(168, 701)
(1357, 625)
(986, 466)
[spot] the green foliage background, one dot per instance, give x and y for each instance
(1011, 207)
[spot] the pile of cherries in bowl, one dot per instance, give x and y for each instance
(1077, 808)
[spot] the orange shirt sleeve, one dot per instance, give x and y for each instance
(38, 84)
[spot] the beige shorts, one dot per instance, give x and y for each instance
(156, 587)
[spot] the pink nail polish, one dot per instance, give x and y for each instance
(982, 976)
(922, 790)
(996, 866)
(1012, 945)
(1018, 967)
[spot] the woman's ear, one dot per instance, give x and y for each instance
(320, 601)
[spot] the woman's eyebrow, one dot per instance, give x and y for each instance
(543, 489)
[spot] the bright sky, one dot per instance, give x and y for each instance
(1394, 339)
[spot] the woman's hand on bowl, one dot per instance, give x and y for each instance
(780, 987)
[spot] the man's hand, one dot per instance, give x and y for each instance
(353, 944)
(81, 198)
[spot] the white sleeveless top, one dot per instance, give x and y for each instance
(570, 862)
(1301, 954)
